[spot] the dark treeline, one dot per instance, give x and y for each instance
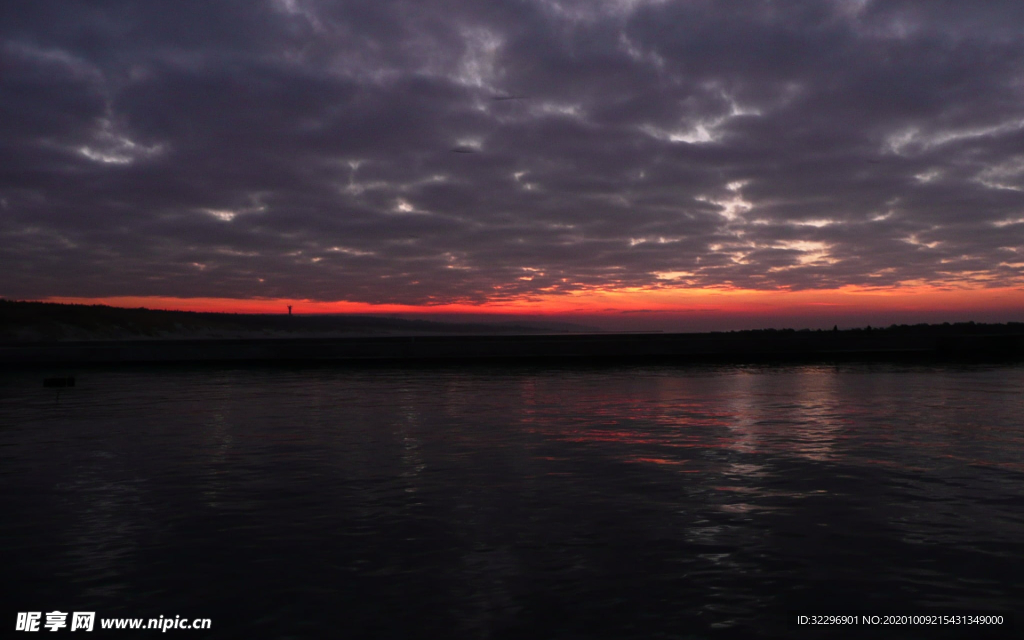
(946, 328)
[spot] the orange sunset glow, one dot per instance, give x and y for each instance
(739, 305)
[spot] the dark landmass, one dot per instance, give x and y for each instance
(53, 322)
(381, 340)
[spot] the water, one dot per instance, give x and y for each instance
(631, 502)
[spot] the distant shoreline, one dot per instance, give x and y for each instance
(754, 346)
(26, 321)
(58, 334)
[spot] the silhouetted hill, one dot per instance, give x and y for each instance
(47, 321)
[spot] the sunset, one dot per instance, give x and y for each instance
(512, 319)
(662, 308)
(545, 156)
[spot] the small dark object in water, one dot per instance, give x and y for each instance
(59, 383)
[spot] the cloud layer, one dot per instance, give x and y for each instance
(463, 151)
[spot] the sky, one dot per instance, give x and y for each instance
(633, 163)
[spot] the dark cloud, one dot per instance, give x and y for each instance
(304, 148)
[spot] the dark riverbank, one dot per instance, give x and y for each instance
(924, 343)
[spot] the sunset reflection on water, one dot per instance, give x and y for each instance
(597, 502)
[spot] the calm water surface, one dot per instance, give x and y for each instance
(632, 502)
